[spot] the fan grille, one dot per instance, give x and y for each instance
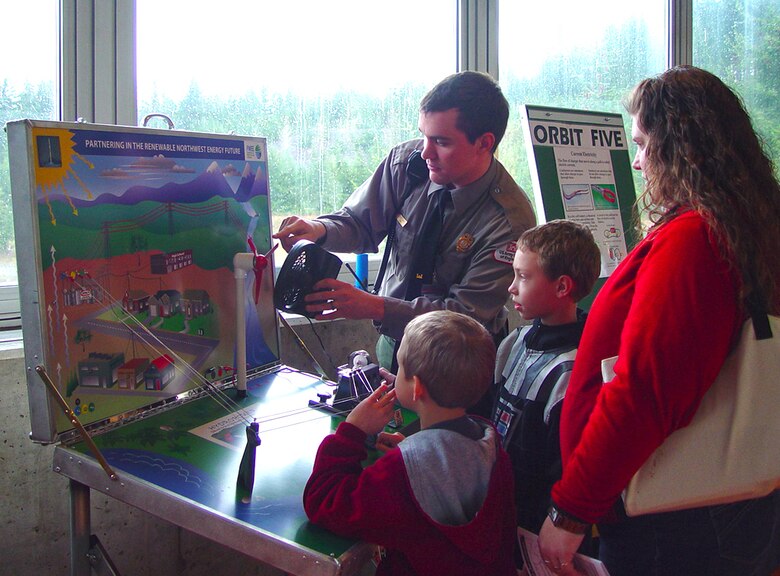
(305, 265)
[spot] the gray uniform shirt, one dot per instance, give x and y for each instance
(474, 260)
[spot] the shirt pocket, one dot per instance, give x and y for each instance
(403, 243)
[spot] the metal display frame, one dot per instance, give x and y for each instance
(328, 556)
(320, 555)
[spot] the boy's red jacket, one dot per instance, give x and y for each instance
(376, 504)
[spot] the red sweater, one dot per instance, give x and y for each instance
(377, 504)
(669, 312)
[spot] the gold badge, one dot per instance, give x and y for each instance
(464, 243)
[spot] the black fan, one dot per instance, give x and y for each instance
(306, 264)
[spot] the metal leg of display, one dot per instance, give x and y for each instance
(79, 529)
(99, 559)
(86, 552)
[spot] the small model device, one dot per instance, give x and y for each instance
(306, 264)
(356, 380)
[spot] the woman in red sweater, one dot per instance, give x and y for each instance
(671, 312)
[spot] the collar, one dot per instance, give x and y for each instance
(543, 337)
(464, 425)
(465, 196)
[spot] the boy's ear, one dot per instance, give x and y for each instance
(564, 286)
(418, 389)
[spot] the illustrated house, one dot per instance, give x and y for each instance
(131, 373)
(195, 303)
(159, 373)
(100, 370)
(135, 301)
(165, 303)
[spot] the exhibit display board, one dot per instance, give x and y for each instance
(181, 465)
(146, 284)
(581, 171)
(125, 241)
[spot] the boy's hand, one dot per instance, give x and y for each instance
(387, 377)
(386, 441)
(375, 411)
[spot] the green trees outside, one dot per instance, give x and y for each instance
(322, 147)
(33, 101)
(741, 44)
(597, 79)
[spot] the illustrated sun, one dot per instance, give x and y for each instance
(54, 158)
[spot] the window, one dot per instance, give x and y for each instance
(332, 89)
(28, 88)
(28, 80)
(583, 55)
(738, 41)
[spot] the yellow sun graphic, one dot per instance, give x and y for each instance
(53, 165)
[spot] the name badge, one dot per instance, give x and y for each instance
(506, 254)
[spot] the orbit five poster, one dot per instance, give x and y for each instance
(125, 242)
(581, 171)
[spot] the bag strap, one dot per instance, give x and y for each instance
(759, 316)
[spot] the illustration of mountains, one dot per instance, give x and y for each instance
(202, 188)
(245, 189)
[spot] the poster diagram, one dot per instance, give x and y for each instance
(581, 172)
(130, 238)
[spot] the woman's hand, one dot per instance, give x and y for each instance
(557, 547)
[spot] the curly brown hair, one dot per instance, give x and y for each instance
(703, 153)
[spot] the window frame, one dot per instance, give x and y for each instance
(97, 78)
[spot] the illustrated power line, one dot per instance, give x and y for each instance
(168, 210)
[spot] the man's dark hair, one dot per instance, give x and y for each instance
(481, 105)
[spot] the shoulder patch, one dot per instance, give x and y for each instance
(506, 254)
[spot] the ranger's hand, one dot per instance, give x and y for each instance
(295, 228)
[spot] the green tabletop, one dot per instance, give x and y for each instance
(194, 449)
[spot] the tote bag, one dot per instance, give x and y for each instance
(730, 450)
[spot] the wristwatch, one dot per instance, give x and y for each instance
(561, 519)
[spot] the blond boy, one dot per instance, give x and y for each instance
(442, 500)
